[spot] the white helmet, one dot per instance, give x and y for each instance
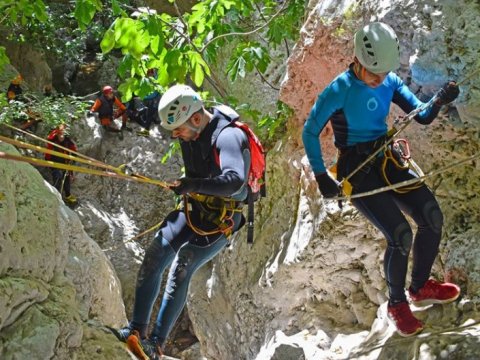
(377, 48)
(177, 105)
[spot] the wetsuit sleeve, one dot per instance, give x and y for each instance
(322, 110)
(407, 101)
(120, 105)
(230, 145)
(96, 105)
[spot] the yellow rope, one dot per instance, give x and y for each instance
(407, 182)
(52, 164)
(116, 172)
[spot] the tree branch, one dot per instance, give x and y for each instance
(265, 80)
(202, 50)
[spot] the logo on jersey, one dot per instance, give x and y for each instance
(372, 104)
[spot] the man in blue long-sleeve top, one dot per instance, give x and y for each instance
(357, 104)
(216, 156)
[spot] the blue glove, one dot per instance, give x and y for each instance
(328, 187)
(185, 185)
(448, 93)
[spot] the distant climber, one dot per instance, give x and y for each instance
(28, 116)
(104, 105)
(144, 111)
(14, 91)
(357, 104)
(61, 178)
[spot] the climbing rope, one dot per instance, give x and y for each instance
(408, 182)
(392, 133)
(109, 170)
(407, 120)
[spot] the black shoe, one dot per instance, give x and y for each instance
(144, 349)
(121, 334)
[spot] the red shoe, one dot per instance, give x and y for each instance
(434, 292)
(403, 319)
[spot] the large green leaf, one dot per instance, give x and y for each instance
(108, 41)
(3, 58)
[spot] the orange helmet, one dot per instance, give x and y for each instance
(107, 90)
(17, 80)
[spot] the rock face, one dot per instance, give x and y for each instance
(314, 275)
(31, 64)
(312, 285)
(57, 287)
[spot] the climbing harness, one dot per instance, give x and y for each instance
(408, 182)
(347, 187)
(398, 154)
(212, 209)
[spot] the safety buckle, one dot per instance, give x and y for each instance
(401, 145)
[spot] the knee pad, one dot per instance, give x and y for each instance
(402, 238)
(433, 216)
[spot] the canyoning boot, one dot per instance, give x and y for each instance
(144, 349)
(71, 200)
(401, 316)
(434, 292)
(121, 334)
(143, 132)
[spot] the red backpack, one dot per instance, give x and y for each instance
(256, 172)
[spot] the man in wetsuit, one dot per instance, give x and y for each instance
(357, 103)
(190, 237)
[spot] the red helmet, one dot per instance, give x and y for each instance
(107, 90)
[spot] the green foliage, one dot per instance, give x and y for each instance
(3, 58)
(272, 124)
(52, 111)
(247, 57)
(22, 12)
(184, 47)
(85, 10)
(268, 126)
(173, 148)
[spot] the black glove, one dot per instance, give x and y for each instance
(328, 187)
(448, 93)
(185, 185)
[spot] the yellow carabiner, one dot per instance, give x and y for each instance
(347, 188)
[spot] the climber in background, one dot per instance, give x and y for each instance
(144, 111)
(104, 106)
(28, 116)
(61, 179)
(14, 91)
(357, 103)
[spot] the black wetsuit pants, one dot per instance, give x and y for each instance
(61, 181)
(386, 211)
